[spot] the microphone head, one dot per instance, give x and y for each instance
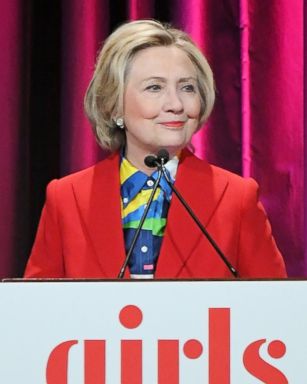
(150, 161)
(163, 155)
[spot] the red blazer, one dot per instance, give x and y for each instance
(80, 231)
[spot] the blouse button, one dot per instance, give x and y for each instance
(125, 200)
(144, 249)
(150, 183)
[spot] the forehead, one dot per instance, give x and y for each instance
(168, 61)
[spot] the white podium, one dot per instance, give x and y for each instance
(153, 332)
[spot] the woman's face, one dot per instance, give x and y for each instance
(161, 102)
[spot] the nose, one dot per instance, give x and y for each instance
(173, 102)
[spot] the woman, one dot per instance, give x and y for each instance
(152, 89)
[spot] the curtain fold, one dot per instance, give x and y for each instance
(277, 130)
(13, 148)
(256, 50)
(84, 24)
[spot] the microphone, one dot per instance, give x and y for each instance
(153, 161)
(137, 233)
(159, 161)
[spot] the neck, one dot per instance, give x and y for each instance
(138, 162)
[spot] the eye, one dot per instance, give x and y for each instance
(153, 88)
(189, 88)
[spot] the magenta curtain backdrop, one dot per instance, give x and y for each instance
(256, 50)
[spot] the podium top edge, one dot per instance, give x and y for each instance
(92, 280)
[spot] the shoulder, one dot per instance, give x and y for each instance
(102, 169)
(94, 179)
(235, 181)
(213, 174)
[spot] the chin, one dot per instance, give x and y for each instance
(172, 148)
(172, 143)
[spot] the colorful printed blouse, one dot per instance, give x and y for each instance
(136, 188)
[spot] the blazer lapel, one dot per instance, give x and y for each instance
(203, 191)
(98, 200)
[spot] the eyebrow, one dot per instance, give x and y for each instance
(159, 78)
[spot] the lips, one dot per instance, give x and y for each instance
(173, 124)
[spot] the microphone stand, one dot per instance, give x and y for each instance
(160, 165)
(137, 233)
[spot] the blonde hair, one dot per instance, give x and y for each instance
(104, 97)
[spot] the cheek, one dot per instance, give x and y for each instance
(148, 108)
(139, 107)
(193, 108)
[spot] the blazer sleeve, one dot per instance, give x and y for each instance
(258, 254)
(46, 258)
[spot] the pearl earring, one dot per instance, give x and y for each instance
(120, 122)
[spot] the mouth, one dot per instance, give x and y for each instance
(173, 124)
